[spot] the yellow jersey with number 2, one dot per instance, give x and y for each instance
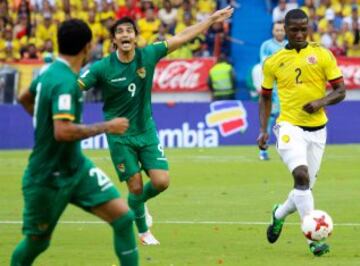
(301, 77)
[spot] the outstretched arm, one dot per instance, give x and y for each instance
(65, 130)
(191, 32)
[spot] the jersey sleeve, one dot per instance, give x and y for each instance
(268, 76)
(331, 69)
(90, 77)
(157, 50)
(63, 102)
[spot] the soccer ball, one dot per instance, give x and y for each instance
(317, 225)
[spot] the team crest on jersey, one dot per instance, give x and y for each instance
(312, 59)
(121, 167)
(285, 138)
(43, 227)
(141, 72)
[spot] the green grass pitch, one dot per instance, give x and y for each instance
(214, 213)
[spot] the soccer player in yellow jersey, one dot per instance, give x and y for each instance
(301, 71)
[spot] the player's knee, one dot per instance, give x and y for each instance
(301, 178)
(123, 222)
(161, 182)
(42, 242)
(135, 184)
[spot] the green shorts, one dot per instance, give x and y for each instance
(44, 203)
(130, 154)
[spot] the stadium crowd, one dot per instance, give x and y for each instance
(333, 23)
(28, 27)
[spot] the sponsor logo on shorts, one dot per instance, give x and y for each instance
(285, 138)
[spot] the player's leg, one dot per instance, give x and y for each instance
(96, 193)
(117, 214)
(315, 153)
(42, 208)
(292, 149)
(126, 163)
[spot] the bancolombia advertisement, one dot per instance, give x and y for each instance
(188, 124)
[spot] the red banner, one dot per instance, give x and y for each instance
(350, 68)
(182, 75)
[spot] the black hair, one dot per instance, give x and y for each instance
(295, 14)
(73, 35)
(123, 20)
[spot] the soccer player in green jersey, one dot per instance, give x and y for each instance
(58, 173)
(126, 77)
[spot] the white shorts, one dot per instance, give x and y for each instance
(297, 146)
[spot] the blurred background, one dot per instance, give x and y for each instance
(190, 108)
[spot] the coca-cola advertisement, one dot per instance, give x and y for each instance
(189, 75)
(350, 68)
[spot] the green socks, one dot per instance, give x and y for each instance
(136, 203)
(124, 240)
(27, 250)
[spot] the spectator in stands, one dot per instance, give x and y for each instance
(222, 80)
(9, 47)
(48, 54)
(280, 11)
(38, 5)
(186, 8)
(128, 10)
(22, 27)
(168, 15)
(149, 25)
(321, 10)
(161, 35)
(308, 4)
(335, 46)
(204, 9)
(145, 5)
(347, 9)
(326, 39)
(47, 29)
(353, 19)
(106, 11)
(354, 49)
(31, 52)
(217, 40)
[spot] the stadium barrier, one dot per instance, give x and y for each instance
(188, 124)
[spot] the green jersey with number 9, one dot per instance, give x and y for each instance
(126, 87)
(56, 97)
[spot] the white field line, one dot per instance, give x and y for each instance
(192, 223)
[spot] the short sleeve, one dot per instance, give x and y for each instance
(331, 69)
(157, 50)
(64, 102)
(268, 81)
(90, 77)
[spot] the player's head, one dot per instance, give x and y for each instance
(278, 31)
(74, 37)
(296, 28)
(124, 34)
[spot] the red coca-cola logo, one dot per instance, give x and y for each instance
(182, 75)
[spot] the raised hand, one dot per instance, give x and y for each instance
(222, 14)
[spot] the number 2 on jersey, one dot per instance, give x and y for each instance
(297, 79)
(132, 89)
